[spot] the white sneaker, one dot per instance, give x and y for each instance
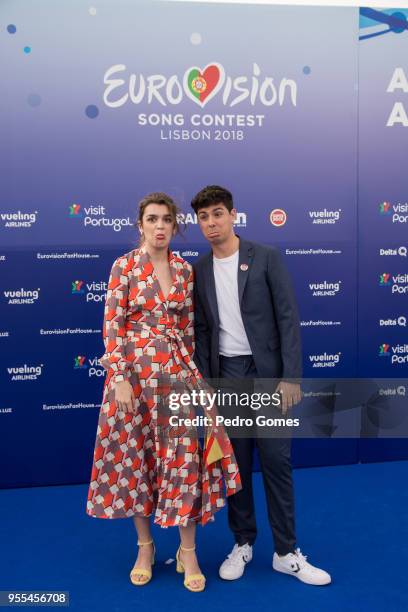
(296, 565)
(234, 565)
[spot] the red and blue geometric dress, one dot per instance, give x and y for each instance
(141, 466)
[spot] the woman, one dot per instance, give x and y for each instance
(142, 467)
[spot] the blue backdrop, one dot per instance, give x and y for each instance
(108, 103)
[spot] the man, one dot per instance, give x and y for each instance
(247, 327)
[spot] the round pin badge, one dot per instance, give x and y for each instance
(243, 267)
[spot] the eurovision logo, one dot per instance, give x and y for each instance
(199, 84)
(396, 212)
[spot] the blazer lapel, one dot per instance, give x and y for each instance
(210, 285)
(244, 265)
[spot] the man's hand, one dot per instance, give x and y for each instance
(124, 396)
(290, 394)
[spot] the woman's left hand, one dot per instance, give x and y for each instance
(124, 396)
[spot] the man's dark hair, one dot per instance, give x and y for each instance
(212, 194)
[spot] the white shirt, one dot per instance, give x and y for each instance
(233, 338)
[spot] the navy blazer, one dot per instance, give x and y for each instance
(268, 309)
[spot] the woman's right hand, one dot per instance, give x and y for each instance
(124, 396)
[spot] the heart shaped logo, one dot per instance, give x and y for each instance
(203, 84)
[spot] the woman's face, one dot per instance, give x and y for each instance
(157, 226)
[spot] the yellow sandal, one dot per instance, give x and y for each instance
(140, 571)
(192, 577)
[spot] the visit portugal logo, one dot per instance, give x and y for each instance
(79, 362)
(74, 210)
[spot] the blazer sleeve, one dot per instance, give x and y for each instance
(114, 332)
(287, 316)
(202, 355)
(186, 319)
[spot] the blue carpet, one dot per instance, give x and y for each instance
(351, 520)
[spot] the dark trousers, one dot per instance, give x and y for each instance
(275, 459)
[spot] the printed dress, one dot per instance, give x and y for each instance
(141, 465)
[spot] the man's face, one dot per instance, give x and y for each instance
(216, 223)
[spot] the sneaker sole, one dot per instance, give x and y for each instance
(230, 579)
(283, 571)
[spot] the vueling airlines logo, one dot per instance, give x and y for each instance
(22, 296)
(325, 360)
(18, 219)
(325, 288)
(25, 372)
